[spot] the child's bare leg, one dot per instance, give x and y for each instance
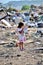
(22, 45)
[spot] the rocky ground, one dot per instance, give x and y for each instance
(11, 55)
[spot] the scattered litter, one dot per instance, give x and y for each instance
(18, 55)
(39, 63)
(10, 45)
(37, 43)
(3, 42)
(9, 63)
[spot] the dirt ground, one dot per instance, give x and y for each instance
(11, 55)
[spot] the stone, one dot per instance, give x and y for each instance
(39, 63)
(18, 55)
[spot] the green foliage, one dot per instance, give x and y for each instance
(11, 9)
(25, 7)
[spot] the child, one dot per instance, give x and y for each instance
(21, 35)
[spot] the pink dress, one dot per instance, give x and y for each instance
(21, 35)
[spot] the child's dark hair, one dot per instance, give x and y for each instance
(20, 25)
